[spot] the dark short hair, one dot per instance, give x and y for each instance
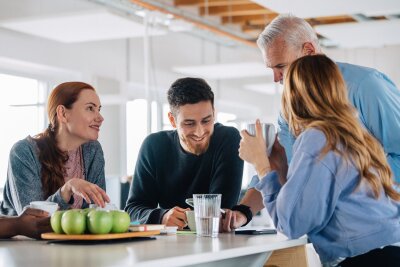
(189, 91)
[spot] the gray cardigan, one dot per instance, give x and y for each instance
(24, 182)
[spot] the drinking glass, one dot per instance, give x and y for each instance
(207, 214)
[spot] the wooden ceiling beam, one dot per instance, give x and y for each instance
(330, 20)
(203, 3)
(236, 10)
(203, 26)
(224, 3)
(251, 28)
(245, 13)
(248, 18)
(262, 22)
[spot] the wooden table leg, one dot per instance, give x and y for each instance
(288, 257)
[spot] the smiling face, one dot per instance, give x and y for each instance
(195, 125)
(82, 122)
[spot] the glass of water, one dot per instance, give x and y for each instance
(207, 213)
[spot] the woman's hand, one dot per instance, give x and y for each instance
(253, 149)
(278, 161)
(88, 191)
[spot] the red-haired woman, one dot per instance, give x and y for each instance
(65, 163)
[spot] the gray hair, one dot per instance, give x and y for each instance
(295, 32)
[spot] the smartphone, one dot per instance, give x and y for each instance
(256, 232)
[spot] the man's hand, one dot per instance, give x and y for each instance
(278, 160)
(175, 217)
(33, 222)
(232, 220)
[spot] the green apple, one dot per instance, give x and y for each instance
(99, 221)
(121, 221)
(55, 222)
(73, 222)
(86, 211)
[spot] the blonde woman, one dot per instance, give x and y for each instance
(339, 186)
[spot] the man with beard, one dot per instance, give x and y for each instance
(198, 157)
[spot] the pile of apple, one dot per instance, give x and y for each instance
(80, 221)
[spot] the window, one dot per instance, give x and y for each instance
(166, 125)
(22, 113)
(227, 119)
(136, 130)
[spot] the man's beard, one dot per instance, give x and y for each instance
(196, 149)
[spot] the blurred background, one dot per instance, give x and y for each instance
(131, 51)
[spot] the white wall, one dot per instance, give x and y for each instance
(385, 59)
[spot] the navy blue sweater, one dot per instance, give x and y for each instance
(165, 174)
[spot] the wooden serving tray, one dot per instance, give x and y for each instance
(54, 236)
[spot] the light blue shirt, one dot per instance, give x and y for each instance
(377, 100)
(321, 199)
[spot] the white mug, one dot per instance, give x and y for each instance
(268, 132)
(191, 220)
(48, 206)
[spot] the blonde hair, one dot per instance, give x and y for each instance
(315, 96)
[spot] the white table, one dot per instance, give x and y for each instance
(173, 250)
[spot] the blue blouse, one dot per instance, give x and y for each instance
(322, 199)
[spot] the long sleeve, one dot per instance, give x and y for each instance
(143, 196)
(307, 200)
(94, 172)
(24, 183)
(286, 138)
(325, 198)
(228, 171)
(378, 101)
(94, 164)
(165, 174)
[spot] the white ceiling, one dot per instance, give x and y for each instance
(79, 26)
(225, 71)
(320, 8)
(374, 33)
(80, 21)
(364, 34)
(72, 21)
